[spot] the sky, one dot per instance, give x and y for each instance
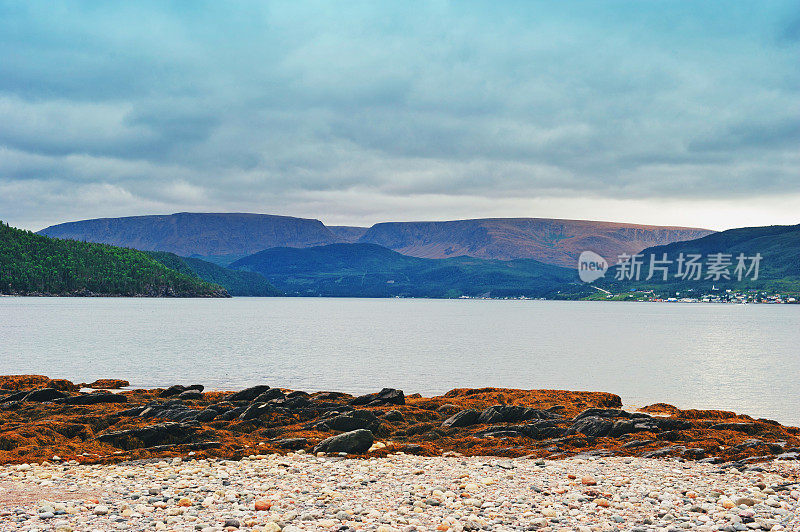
(676, 113)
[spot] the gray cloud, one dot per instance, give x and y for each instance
(278, 106)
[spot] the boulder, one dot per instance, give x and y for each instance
(538, 430)
(747, 428)
(248, 394)
(190, 394)
(465, 418)
(511, 414)
(387, 396)
(393, 416)
(254, 411)
(359, 419)
(354, 442)
(272, 393)
(292, 443)
(92, 399)
(43, 395)
(594, 427)
(159, 434)
(178, 389)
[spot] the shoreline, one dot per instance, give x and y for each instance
(42, 417)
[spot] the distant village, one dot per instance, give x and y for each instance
(715, 295)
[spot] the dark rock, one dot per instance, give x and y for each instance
(298, 393)
(538, 430)
(248, 394)
(671, 423)
(92, 399)
(637, 443)
(465, 418)
(159, 434)
(16, 396)
(175, 410)
(274, 393)
(387, 396)
(393, 416)
(594, 427)
(330, 396)
(190, 394)
(747, 428)
(233, 413)
(132, 412)
(43, 395)
(292, 443)
(355, 442)
(232, 523)
(359, 419)
(511, 414)
(602, 412)
(173, 390)
(254, 411)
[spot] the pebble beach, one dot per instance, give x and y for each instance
(399, 492)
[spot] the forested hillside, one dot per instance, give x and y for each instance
(237, 283)
(36, 264)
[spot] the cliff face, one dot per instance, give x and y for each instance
(199, 233)
(552, 241)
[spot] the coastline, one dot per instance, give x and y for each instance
(90, 456)
(42, 417)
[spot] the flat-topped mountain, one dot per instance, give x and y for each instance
(202, 234)
(547, 240)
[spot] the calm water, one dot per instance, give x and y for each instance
(735, 357)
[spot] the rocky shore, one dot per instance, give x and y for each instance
(90, 457)
(41, 418)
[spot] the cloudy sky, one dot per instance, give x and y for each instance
(682, 113)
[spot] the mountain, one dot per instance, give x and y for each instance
(202, 234)
(36, 264)
(348, 233)
(551, 241)
(778, 267)
(237, 283)
(369, 270)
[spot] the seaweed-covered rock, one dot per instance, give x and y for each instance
(44, 394)
(465, 418)
(92, 399)
(511, 414)
(159, 434)
(387, 396)
(248, 394)
(594, 427)
(359, 419)
(354, 442)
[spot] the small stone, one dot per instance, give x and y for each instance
(602, 502)
(262, 506)
(100, 510)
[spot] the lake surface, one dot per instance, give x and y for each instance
(744, 358)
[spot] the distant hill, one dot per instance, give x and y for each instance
(204, 234)
(369, 270)
(237, 283)
(778, 271)
(348, 233)
(36, 264)
(551, 241)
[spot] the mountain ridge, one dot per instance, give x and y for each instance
(225, 237)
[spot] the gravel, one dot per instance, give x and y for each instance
(402, 493)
